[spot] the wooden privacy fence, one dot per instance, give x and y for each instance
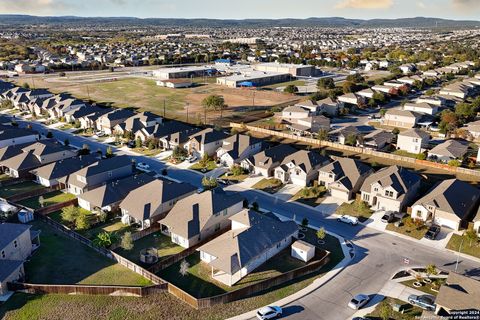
(338, 146)
(56, 207)
(33, 193)
(87, 289)
(13, 181)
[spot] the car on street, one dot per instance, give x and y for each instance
(432, 232)
(143, 166)
(424, 301)
(388, 217)
(358, 301)
(99, 133)
(191, 158)
(348, 219)
(270, 312)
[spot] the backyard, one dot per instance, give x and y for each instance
(410, 228)
(19, 188)
(357, 208)
(62, 260)
(164, 246)
(48, 199)
(271, 185)
(114, 226)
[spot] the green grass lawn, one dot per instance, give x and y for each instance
(4, 176)
(232, 177)
(148, 152)
(62, 260)
(208, 167)
(310, 196)
(35, 307)
(357, 208)
(19, 188)
(384, 308)
(404, 153)
(165, 247)
(468, 247)
(271, 185)
(49, 199)
(426, 287)
(57, 215)
(113, 226)
(409, 228)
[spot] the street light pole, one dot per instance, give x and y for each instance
(458, 255)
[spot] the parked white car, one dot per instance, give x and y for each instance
(269, 312)
(348, 219)
(358, 301)
(99, 133)
(143, 166)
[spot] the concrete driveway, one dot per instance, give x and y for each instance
(329, 205)
(288, 191)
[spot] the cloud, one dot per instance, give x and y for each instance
(421, 5)
(365, 4)
(466, 4)
(119, 2)
(32, 6)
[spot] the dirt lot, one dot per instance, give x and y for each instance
(142, 93)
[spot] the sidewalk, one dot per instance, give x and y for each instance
(348, 253)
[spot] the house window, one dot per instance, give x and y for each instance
(225, 212)
(279, 245)
(366, 197)
(389, 193)
(15, 244)
(3, 254)
(375, 189)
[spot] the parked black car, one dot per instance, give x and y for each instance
(432, 232)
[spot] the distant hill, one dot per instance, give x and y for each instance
(418, 22)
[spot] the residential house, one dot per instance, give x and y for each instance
(401, 118)
(170, 134)
(65, 105)
(300, 168)
(376, 140)
(391, 188)
(137, 122)
(476, 222)
(474, 129)
(151, 202)
(366, 93)
(89, 121)
(407, 68)
(460, 90)
(413, 141)
(238, 147)
(422, 107)
(265, 162)
(329, 106)
(204, 142)
(96, 174)
(343, 177)
(10, 136)
(351, 99)
(253, 240)
(345, 135)
(385, 89)
(17, 241)
(108, 196)
(200, 216)
(451, 203)
(35, 155)
(107, 122)
(49, 174)
(459, 294)
(448, 150)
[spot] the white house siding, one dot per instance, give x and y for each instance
(45, 182)
(476, 226)
(302, 255)
(409, 144)
(340, 194)
(19, 249)
(181, 241)
(84, 204)
(448, 223)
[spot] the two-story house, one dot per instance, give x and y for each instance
(401, 118)
(10, 136)
(107, 122)
(300, 168)
(391, 188)
(265, 162)
(200, 215)
(343, 177)
(97, 173)
(238, 147)
(413, 140)
(207, 141)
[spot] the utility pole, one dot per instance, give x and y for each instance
(88, 92)
(164, 107)
(187, 111)
(458, 255)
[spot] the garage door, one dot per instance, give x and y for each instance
(339, 194)
(447, 223)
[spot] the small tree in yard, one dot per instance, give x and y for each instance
(291, 89)
(184, 265)
(322, 135)
(304, 222)
(41, 201)
(321, 233)
(69, 214)
(103, 240)
(102, 216)
(81, 222)
(236, 170)
(109, 153)
(49, 135)
(384, 310)
(127, 241)
(138, 143)
(431, 269)
(471, 235)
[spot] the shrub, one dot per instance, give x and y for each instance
(127, 241)
(454, 163)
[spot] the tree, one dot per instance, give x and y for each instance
(103, 240)
(325, 83)
(49, 134)
(25, 85)
(291, 89)
(305, 222)
(236, 170)
(465, 112)
(396, 131)
(322, 134)
(179, 153)
(41, 201)
(355, 78)
(384, 310)
(85, 150)
(184, 265)
(448, 122)
(69, 214)
(82, 222)
(109, 153)
(209, 183)
(454, 163)
(348, 87)
(66, 142)
(351, 140)
(102, 216)
(471, 235)
(431, 269)
(213, 102)
(138, 142)
(127, 241)
(321, 233)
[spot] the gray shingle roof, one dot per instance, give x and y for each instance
(450, 148)
(11, 231)
(398, 178)
(7, 267)
(347, 171)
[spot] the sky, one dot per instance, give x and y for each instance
(225, 9)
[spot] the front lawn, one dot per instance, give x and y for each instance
(310, 196)
(48, 199)
(357, 208)
(426, 287)
(204, 167)
(271, 185)
(468, 247)
(147, 152)
(19, 188)
(165, 247)
(409, 227)
(62, 260)
(236, 178)
(384, 310)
